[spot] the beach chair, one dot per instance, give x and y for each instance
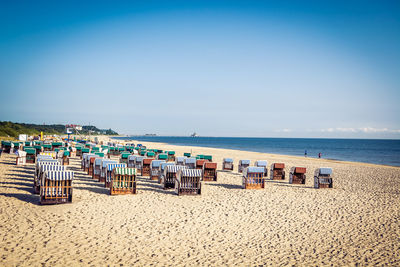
(162, 157)
(162, 172)
(180, 161)
(48, 166)
(188, 182)
(263, 164)
(323, 178)
(210, 171)
(277, 171)
(168, 179)
(200, 163)
(123, 181)
(90, 162)
(97, 168)
(30, 154)
(56, 187)
(297, 175)
(6, 145)
(55, 145)
(21, 157)
(187, 154)
(190, 163)
(131, 161)
(253, 178)
(42, 160)
(155, 169)
(227, 164)
(171, 156)
(145, 168)
(124, 157)
(138, 163)
(47, 147)
(85, 150)
(103, 172)
(110, 168)
(78, 151)
(243, 163)
(38, 149)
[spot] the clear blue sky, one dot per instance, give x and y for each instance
(220, 68)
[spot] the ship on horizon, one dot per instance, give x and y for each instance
(194, 135)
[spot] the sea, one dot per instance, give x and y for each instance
(377, 151)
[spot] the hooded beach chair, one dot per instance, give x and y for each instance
(131, 161)
(180, 160)
(253, 178)
(162, 157)
(297, 175)
(56, 187)
(277, 171)
(6, 145)
(97, 168)
(30, 154)
(210, 171)
(323, 178)
(145, 168)
(263, 164)
(155, 169)
(65, 157)
(169, 176)
(90, 162)
(110, 168)
(138, 163)
(43, 168)
(188, 182)
(187, 154)
(162, 172)
(171, 156)
(227, 164)
(21, 157)
(190, 163)
(124, 157)
(103, 172)
(243, 163)
(200, 163)
(123, 181)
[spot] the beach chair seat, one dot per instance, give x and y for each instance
(188, 182)
(110, 168)
(243, 163)
(210, 171)
(253, 178)
(190, 163)
(123, 181)
(169, 176)
(103, 172)
(145, 168)
(227, 164)
(297, 175)
(56, 187)
(277, 171)
(155, 169)
(323, 178)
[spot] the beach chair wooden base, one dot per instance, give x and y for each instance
(227, 168)
(210, 175)
(154, 177)
(188, 190)
(122, 184)
(254, 181)
(169, 181)
(145, 171)
(65, 161)
(278, 175)
(298, 179)
(30, 158)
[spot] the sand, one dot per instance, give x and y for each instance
(356, 222)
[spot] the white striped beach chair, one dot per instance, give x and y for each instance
(162, 172)
(110, 168)
(188, 182)
(170, 175)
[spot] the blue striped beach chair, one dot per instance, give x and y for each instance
(190, 163)
(243, 163)
(103, 172)
(263, 164)
(43, 168)
(323, 178)
(227, 164)
(155, 169)
(162, 168)
(56, 187)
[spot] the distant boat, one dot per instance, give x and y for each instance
(194, 134)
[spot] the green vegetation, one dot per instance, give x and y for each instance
(12, 129)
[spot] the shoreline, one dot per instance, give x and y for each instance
(154, 144)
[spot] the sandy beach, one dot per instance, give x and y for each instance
(356, 222)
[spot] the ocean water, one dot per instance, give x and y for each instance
(385, 152)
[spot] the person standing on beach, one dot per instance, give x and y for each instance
(305, 153)
(319, 155)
